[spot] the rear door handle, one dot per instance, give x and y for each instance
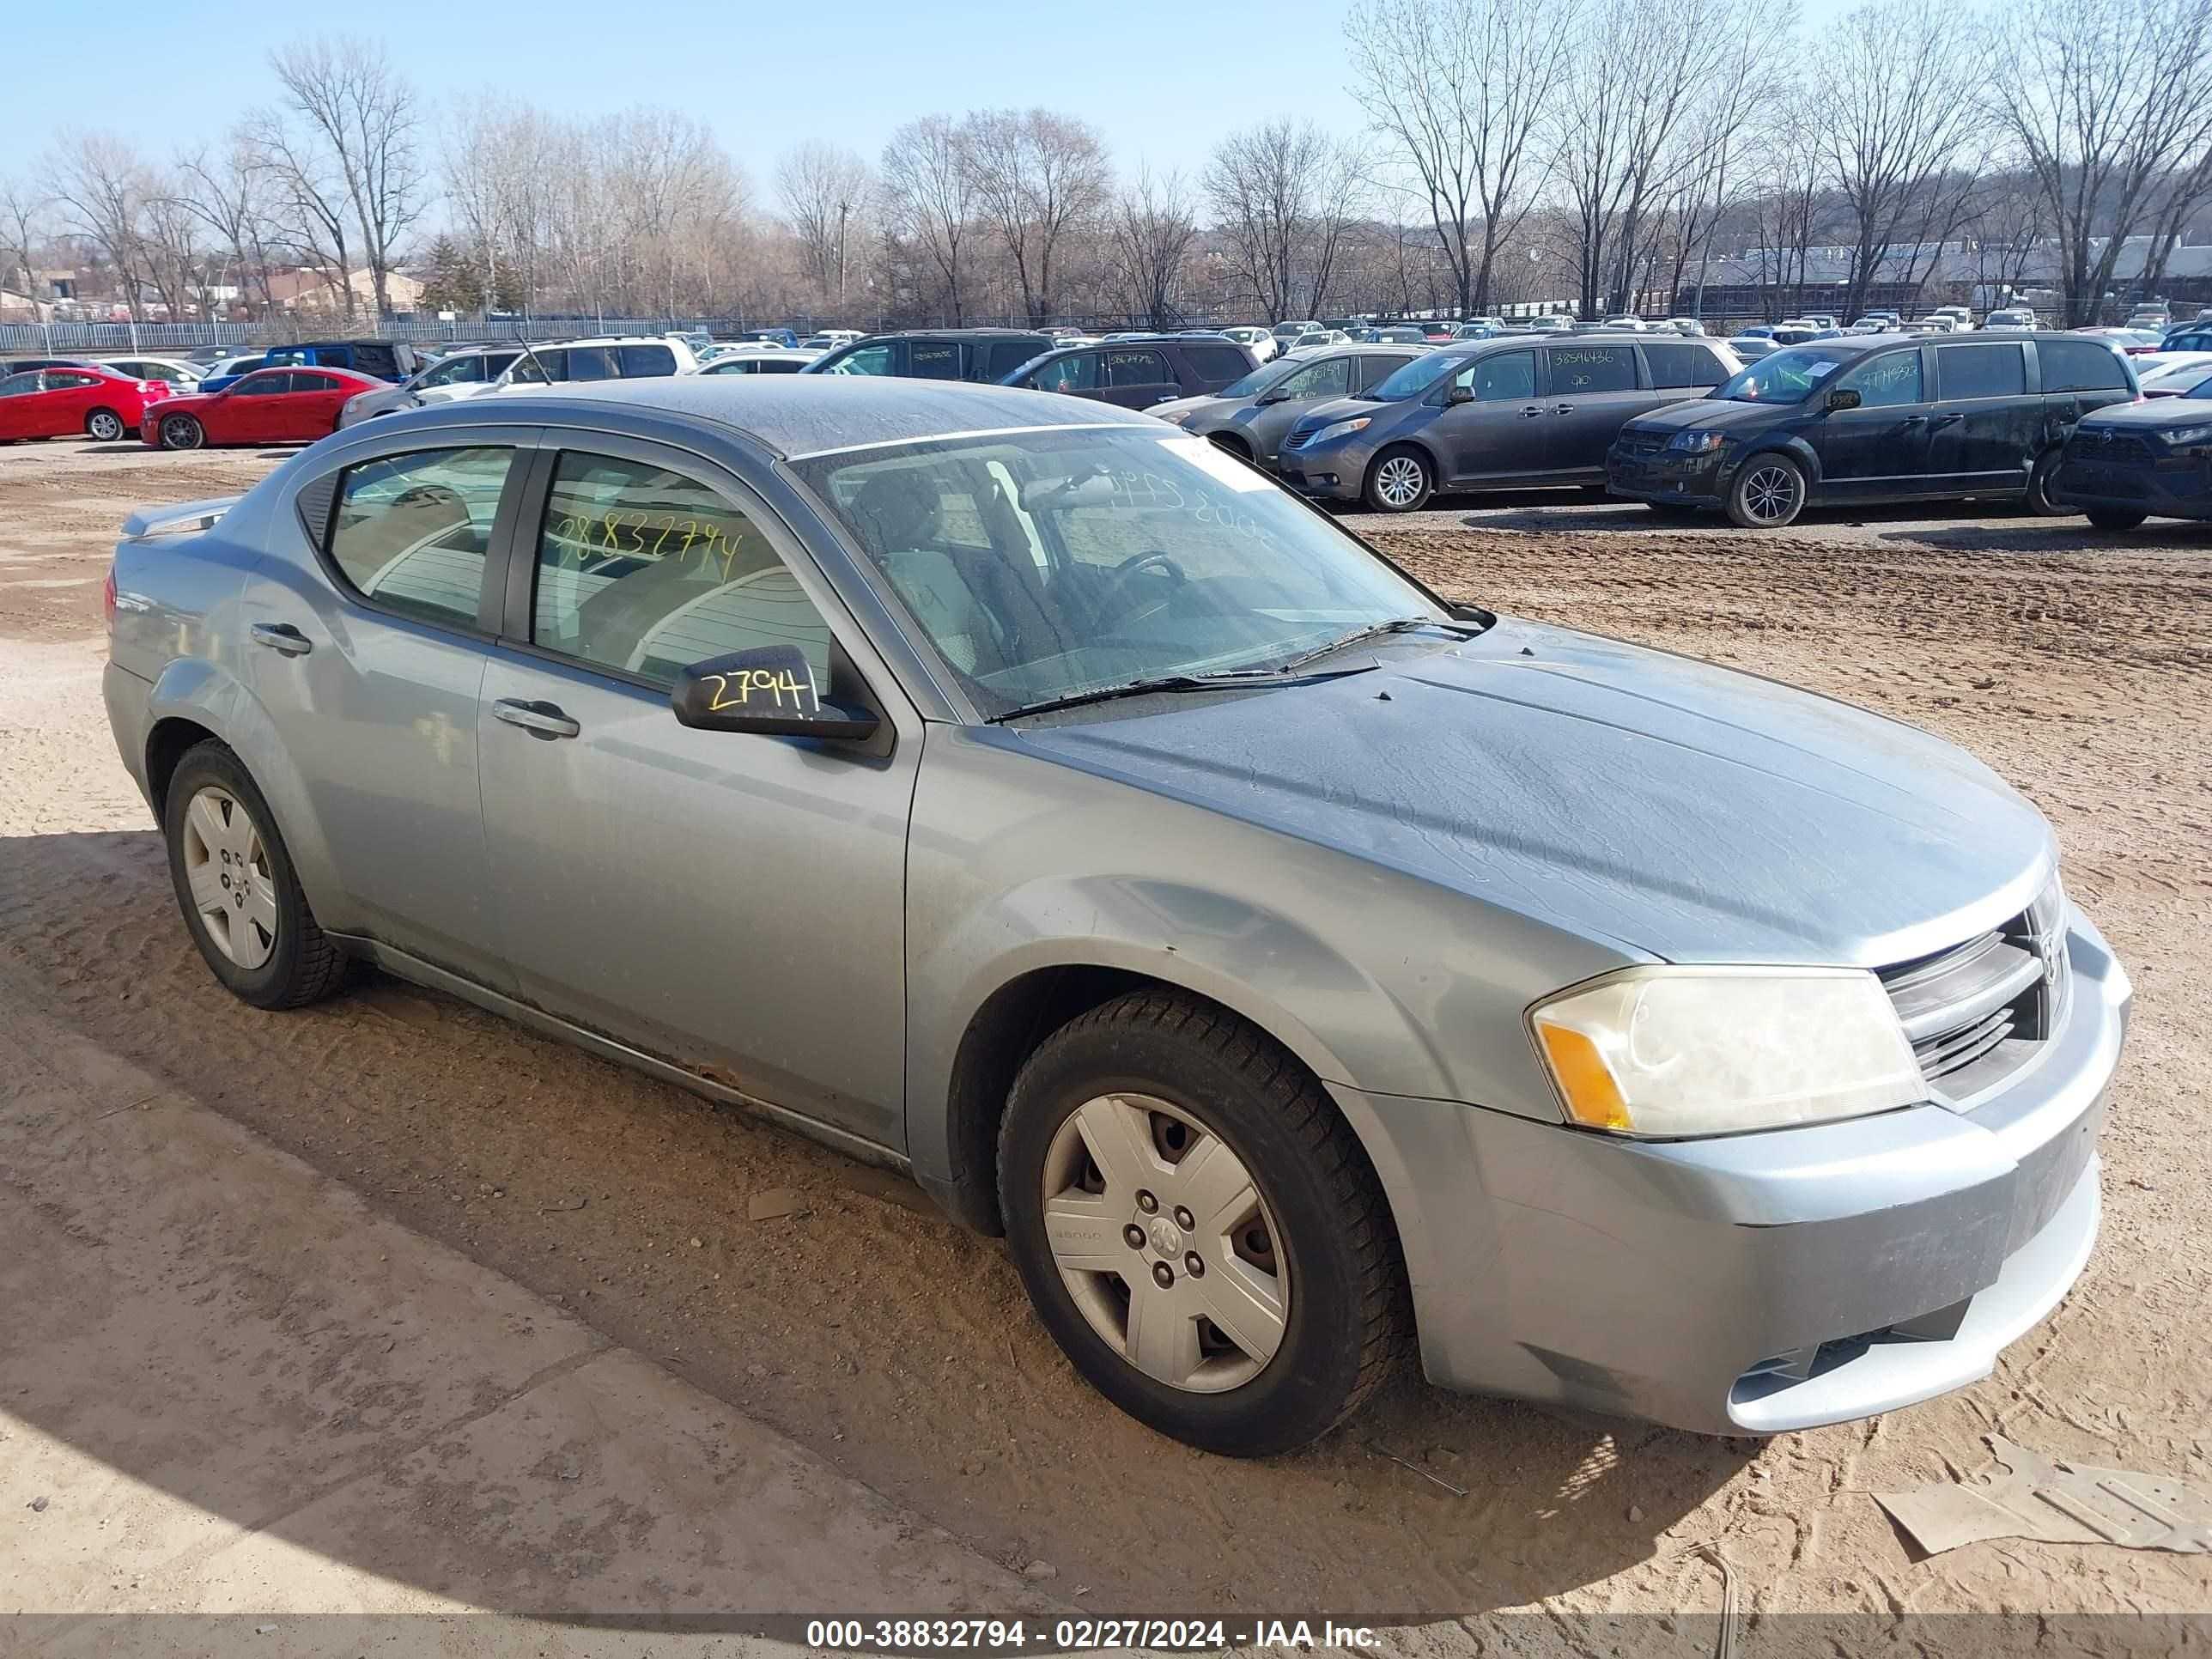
(542, 719)
(281, 636)
(1563, 409)
(1946, 420)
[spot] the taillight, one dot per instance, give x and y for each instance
(107, 600)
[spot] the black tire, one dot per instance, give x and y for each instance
(1232, 446)
(182, 432)
(2038, 486)
(1769, 492)
(1383, 490)
(1349, 1308)
(306, 964)
(2115, 518)
(104, 425)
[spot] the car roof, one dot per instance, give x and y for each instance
(955, 334)
(801, 415)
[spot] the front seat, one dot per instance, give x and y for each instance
(898, 513)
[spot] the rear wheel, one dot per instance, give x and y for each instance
(181, 432)
(1768, 493)
(1198, 1227)
(1399, 482)
(2116, 517)
(104, 425)
(242, 901)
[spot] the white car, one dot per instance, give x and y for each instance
(762, 360)
(623, 358)
(2170, 374)
(1283, 333)
(1685, 326)
(2010, 317)
(1623, 320)
(830, 338)
(449, 381)
(181, 375)
(1258, 341)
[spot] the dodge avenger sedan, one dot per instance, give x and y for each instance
(1295, 966)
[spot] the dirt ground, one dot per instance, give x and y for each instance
(900, 1348)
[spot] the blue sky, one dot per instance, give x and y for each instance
(764, 77)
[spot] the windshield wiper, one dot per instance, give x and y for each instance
(1467, 630)
(1238, 679)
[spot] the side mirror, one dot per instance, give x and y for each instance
(1838, 401)
(1460, 394)
(768, 691)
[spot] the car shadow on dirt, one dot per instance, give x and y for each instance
(821, 1296)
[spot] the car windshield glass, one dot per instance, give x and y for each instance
(1051, 564)
(1413, 378)
(1786, 377)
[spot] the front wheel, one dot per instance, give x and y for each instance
(1198, 1227)
(1399, 482)
(181, 432)
(104, 425)
(2115, 518)
(1768, 494)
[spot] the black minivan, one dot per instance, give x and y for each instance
(1881, 417)
(983, 355)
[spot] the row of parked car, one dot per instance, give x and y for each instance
(2064, 421)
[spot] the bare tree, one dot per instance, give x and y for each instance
(1283, 194)
(929, 195)
(1154, 228)
(23, 230)
(1036, 177)
(364, 117)
(100, 183)
(822, 188)
(1902, 137)
(1790, 205)
(2105, 99)
(308, 214)
(227, 190)
(1459, 90)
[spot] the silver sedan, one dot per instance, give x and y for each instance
(1296, 968)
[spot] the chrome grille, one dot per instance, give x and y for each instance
(1976, 1013)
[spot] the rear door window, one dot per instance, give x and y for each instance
(1128, 368)
(1374, 367)
(1076, 372)
(1006, 356)
(864, 360)
(409, 532)
(934, 359)
(2079, 366)
(1996, 370)
(1683, 364)
(1217, 362)
(262, 385)
(1592, 368)
(592, 363)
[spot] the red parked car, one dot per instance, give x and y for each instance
(269, 406)
(60, 402)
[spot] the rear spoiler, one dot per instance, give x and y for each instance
(180, 517)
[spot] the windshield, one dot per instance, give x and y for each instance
(1786, 377)
(1048, 564)
(1251, 385)
(1413, 378)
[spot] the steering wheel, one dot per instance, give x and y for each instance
(1136, 565)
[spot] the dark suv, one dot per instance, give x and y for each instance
(1493, 415)
(1878, 417)
(1250, 417)
(944, 354)
(1137, 373)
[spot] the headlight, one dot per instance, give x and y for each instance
(1703, 1051)
(1340, 429)
(1697, 443)
(1178, 416)
(2189, 437)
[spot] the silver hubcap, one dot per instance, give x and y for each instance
(1161, 1236)
(1398, 481)
(106, 427)
(181, 433)
(226, 865)
(1770, 494)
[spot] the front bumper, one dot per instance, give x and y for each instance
(1758, 1283)
(2163, 488)
(1666, 476)
(1327, 472)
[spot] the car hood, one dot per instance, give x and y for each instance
(2151, 417)
(183, 400)
(1679, 809)
(1716, 414)
(1338, 409)
(1194, 406)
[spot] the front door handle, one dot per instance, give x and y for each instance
(542, 719)
(1529, 412)
(281, 636)
(1946, 420)
(1563, 409)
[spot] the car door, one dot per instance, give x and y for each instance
(932, 359)
(366, 654)
(1136, 377)
(1266, 423)
(1881, 447)
(1591, 391)
(729, 903)
(58, 409)
(1984, 427)
(1078, 374)
(310, 410)
(2077, 377)
(253, 411)
(1491, 427)
(19, 404)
